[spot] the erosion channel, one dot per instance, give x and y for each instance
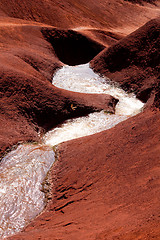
(23, 170)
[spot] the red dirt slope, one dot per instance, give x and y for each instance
(105, 186)
(134, 61)
(78, 13)
(71, 47)
(29, 102)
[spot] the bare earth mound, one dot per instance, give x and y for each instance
(79, 13)
(30, 104)
(134, 61)
(105, 186)
(71, 47)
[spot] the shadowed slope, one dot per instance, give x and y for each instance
(29, 103)
(71, 47)
(142, 1)
(105, 186)
(134, 61)
(106, 38)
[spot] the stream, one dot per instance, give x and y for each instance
(23, 170)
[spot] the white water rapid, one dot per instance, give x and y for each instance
(82, 79)
(23, 170)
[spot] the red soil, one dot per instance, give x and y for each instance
(78, 13)
(29, 102)
(134, 62)
(71, 47)
(106, 38)
(104, 186)
(142, 1)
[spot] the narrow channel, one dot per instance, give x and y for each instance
(23, 170)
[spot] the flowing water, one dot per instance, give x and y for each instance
(23, 170)
(82, 79)
(21, 173)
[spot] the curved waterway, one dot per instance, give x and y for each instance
(82, 79)
(23, 170)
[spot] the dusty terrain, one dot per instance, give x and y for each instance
(106, 186)
(134, 61)
(29, 102)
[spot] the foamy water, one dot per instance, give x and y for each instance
(23, 170)
(82, 79)
(21, 173)
(82, 126)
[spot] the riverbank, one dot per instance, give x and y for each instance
(24, 170)
(105, 186)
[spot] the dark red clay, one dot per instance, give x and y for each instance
(105, 186)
